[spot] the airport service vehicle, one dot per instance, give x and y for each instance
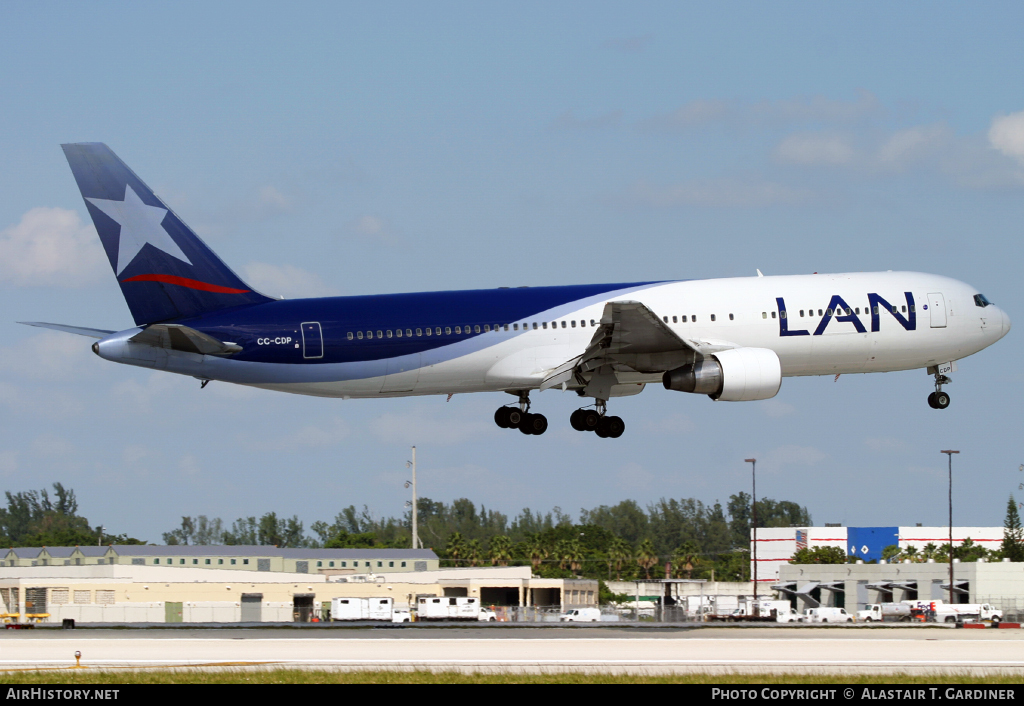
(452, 608)
(362, 609)
(958, 612)
(581, 615)
(768, 611)
(890, 613)
(827, 615)
(401, 615)
(730, 339)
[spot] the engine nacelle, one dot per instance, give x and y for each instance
(735, 375)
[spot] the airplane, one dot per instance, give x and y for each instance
(730, 339)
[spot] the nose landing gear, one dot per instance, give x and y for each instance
(939, 399)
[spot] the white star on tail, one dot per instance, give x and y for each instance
(140, 224)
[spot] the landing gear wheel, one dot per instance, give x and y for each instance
(501, 417)
(576, 420)
(941, 400)
(535, 424)
(931, 401)
(590, 419)
(514, 417)
(610, 427)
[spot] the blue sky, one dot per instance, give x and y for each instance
(365, 148)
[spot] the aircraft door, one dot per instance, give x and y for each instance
(937, 307)
(312, 340)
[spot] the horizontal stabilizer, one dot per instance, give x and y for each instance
(183, 338)
(78, 330)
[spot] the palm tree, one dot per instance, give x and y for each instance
(646, 557)
(619, 552)
(686, 558)
(473, 552)
(500, 551)
(456, 547)
(537, 553)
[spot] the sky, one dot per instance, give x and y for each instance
(361, 148)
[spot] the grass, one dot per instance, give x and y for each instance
(320, 676)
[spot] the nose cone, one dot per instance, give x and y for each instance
(1006, 322)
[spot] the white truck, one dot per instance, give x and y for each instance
(942, 612)
(766, 611)
(827, 615)
(890, 613)
(361, 609)
(451, 608)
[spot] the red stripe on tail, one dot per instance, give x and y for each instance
(186, 282)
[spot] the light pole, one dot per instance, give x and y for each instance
(753, 473)
(949, 453)
(412, 464)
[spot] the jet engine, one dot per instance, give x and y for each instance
(735, 375)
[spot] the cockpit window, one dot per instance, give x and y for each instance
(980, 300)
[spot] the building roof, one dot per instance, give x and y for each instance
(249, 550)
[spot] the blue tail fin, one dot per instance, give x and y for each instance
(165, 271)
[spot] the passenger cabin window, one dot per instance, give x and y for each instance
(350, 336)
(712, 317)
(773, 314)
(730, 317)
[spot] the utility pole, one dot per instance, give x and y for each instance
(753, 471)
(949, 453)
(412, 464)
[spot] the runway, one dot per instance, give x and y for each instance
(514, 649)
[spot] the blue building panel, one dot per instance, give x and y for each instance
(867, 543)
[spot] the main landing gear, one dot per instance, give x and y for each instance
(597, 421)
(939, 399)
(520, 418)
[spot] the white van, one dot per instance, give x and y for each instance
(581, 615)
(827, 615)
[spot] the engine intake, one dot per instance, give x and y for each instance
(735, 375)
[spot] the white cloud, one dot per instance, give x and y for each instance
(286, 281)
(914, 144)
(375, 228)
(796, 111)
(696, 113)
(720, 192)
(815, 148)
(1007, 134)
(817, 109)
(47, 356)
(271, 197)
(51, 247)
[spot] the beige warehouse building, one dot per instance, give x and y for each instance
(158, 593)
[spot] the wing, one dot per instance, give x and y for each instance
(631, 338)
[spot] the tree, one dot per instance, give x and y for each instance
(619, 552)
(685, 559)
(819, 555)
(646, 557)
(456, 547)
(500, 551)
(1012, 547)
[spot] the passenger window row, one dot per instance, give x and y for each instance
(464, 330)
